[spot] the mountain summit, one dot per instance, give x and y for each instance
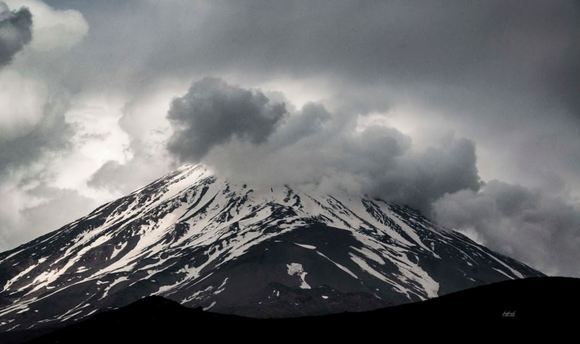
(266, 252)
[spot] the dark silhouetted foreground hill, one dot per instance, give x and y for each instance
(550, 303)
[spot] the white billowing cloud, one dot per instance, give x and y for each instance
(53, 30)
(144, 115)
(28, 92)
(22, 103)
(51, 189)
(144, 122)
(40, 135)
(97, 139)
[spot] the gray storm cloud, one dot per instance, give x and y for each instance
(51, 134)
(536, 228)
(15, 31)
(213, 112)
(244, 135)
(498, 72)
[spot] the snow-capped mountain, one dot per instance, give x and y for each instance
(282, 251)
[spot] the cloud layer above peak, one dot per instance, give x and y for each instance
(250, 137)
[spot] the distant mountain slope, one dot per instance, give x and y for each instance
(278, 251)
(513, 306)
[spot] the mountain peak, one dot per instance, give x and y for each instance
(203, 241)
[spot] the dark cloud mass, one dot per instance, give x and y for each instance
(15, 31)
(538, 229)
(213, 112)
(313, 146)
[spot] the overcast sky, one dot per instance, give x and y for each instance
(466, 110)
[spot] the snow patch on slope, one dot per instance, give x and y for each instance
(296, 269)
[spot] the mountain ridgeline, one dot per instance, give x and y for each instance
(202, 241)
